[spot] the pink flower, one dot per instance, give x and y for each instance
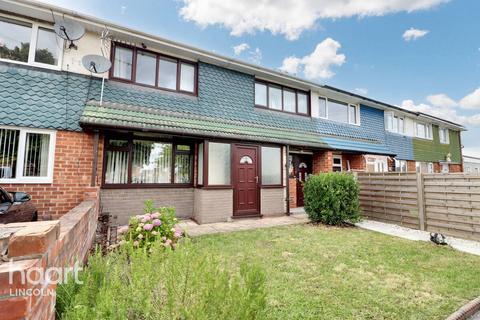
(167, 243)
(155, 215)
(122, 230)
(157, 222)
(148, 227)
(178, 234)
(146, 218)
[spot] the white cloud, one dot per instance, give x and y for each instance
(414, 34)
(289, 17)
(316, 65)
(255, 56)
(471, 101)
(447, 113)
(238, 49)
(441, 100)
(361, 91)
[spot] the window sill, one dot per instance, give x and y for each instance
(146, 186)
(27, 181)
(339, 122)
(273, 186)
(33, 64)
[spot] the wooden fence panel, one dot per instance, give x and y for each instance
(390, 197)
(445, 203)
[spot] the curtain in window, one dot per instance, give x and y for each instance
(36, 155)
(183, 168)
(8, 153)
(116, 170)
(152, 162)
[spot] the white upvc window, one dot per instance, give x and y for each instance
(445, 168)
(30, 43)
(400, 165)
(338, 111)
(26, 155)
(423, 130)
(337, 163)
(444, 135)
(394, 123)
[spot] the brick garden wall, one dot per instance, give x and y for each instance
(71, 175)
(36, 246)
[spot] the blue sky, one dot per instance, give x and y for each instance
(362, 46)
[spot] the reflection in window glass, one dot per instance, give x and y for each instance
(36, 155)
(322, 105)
(289, 100)
(151, 162)
(123, 63)
(183, 164)
(260, 94)
(302, 103)
(14, 40)
(167, 75)
(271, 166)
(146, 68)
(218, 163)
(337, 111)
(200, 164)
(275, 98)
(8, 153)
(187, 77)
(48, 47)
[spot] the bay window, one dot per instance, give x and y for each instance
(29, 43)
(148, 68)
(141, 161)
(276, 97)
(271, 166)
(338, 111)
(444, 135)
(219, 163)
(26, 155)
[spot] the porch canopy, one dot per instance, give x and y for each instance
(131, 117)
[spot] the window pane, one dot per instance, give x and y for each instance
(151, 162)
(14, 41)
(275, 98)
(146, 68)
(183, 168)
(322, 103)
(200, 163)
(8, 153)
(218, 163)
(271, 166)
(401, 126)
(395, 124)
(122, 66)
(48, 47)
(302, 103)
(36, 155)
(420, 130)
(167, 77)
(352, 114)
(260, 94)
(289, 101)
(187, 77)
(116, 169)
(337, 111)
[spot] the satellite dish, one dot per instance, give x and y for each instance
(69, 30)
(96, 63)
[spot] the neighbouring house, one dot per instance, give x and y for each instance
(214, 137)
(471, 164)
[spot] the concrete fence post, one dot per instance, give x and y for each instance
(421, 201)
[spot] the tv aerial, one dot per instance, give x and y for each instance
(69, 30)
(97, 64)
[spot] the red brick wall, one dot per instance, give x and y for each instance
(357, 162)
(411, 166)
(71, 175)
(292, 185)
(322, 161)
(454, 168)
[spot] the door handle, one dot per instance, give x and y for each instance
(256, 179)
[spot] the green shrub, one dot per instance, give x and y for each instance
(156, 224)
(332, 198)
(164, 284)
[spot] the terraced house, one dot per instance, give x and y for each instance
(214, 137)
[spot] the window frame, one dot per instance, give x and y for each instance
(282, 88)
(260, 174)
(428, 130)
(349, 122)
(19, 177)
(334, 165)
(395, 122)
(447, 135)
(205, 183)
(35, 26)
(129, 148)
(132, 80)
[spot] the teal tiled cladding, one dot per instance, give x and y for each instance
(400, 145)
(37, 98)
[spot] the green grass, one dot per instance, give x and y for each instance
(317, 272)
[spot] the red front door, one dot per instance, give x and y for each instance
(245, 182)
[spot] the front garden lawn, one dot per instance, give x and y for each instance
(318, 272)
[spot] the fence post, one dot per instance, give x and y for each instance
(421, 202)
